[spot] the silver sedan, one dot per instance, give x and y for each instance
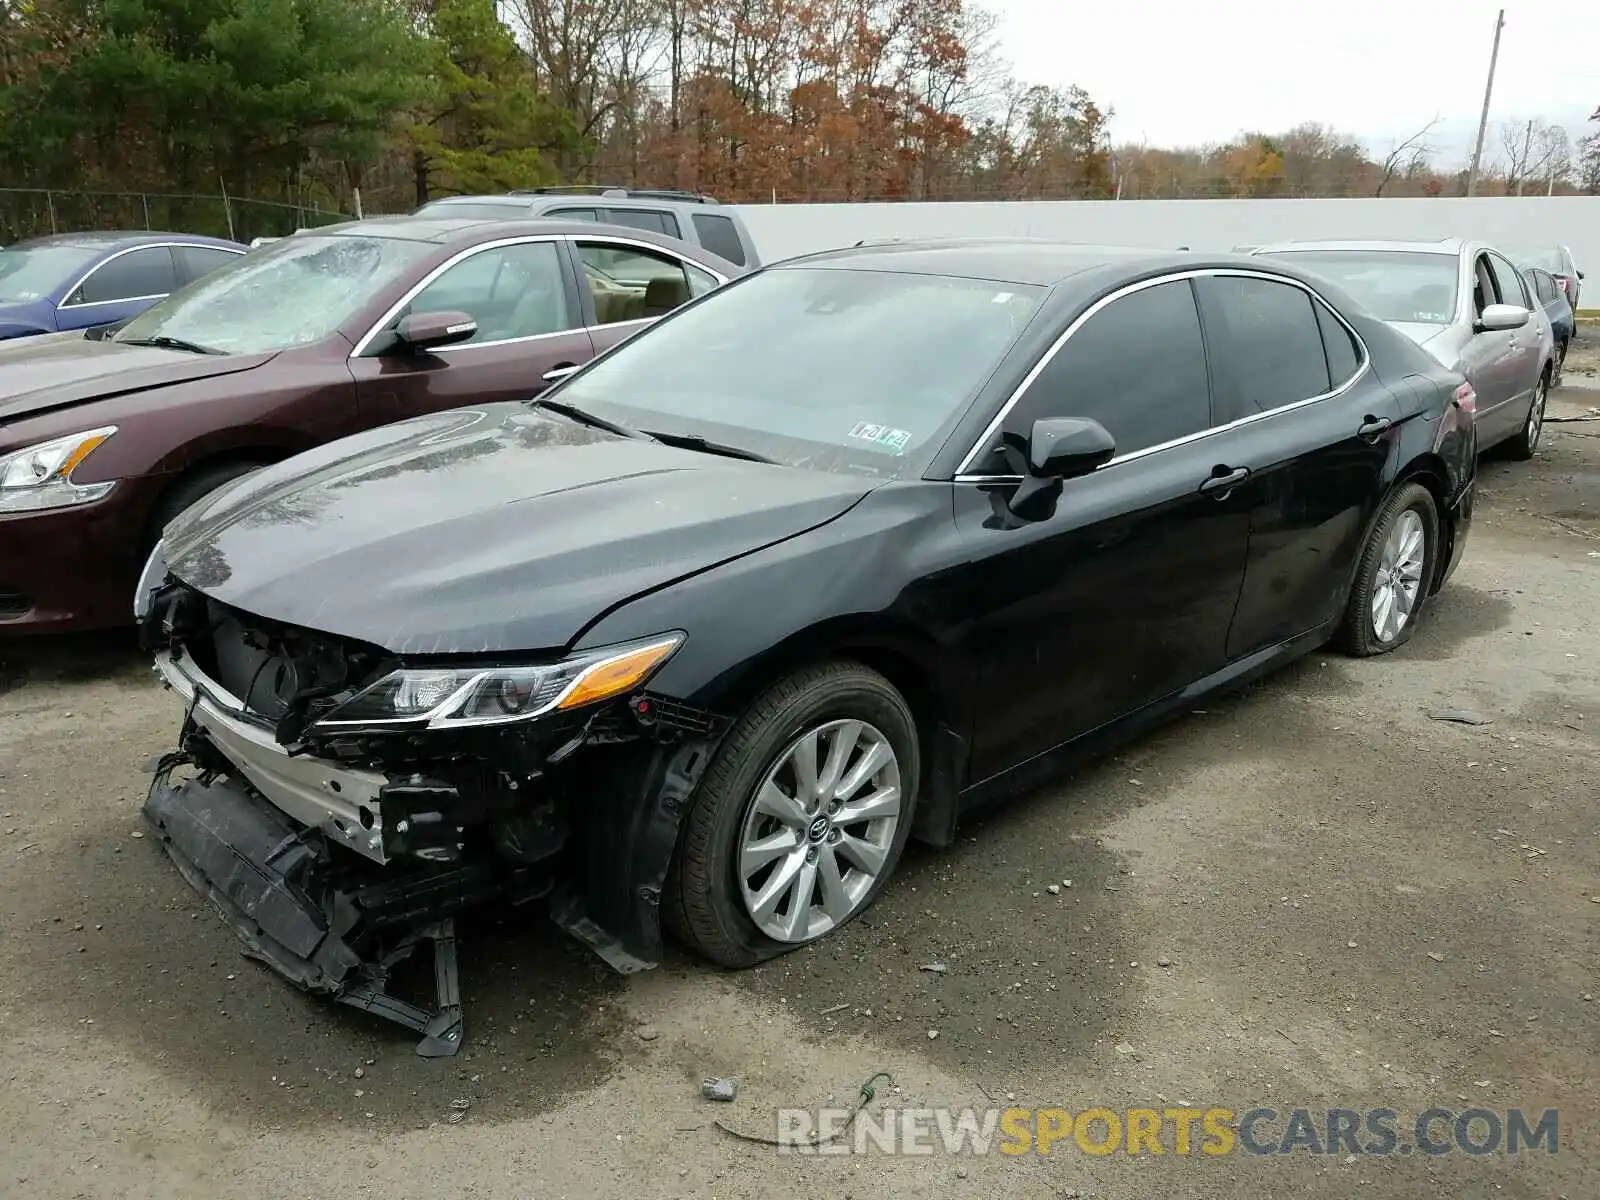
(1465, 304)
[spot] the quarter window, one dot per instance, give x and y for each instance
(138, 274)
(511, 291)
(720, 235)
(1138, 367)
(1344, 352)
(1266, 344)
(632, 284)
(1483, 287)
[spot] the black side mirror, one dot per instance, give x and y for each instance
(1580, 274)
(1057, 449)
(425, 330)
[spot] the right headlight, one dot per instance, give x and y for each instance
(39, 477)
(458, 697)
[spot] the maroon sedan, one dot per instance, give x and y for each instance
(103, 440)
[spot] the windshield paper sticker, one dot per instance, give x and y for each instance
(895, 440)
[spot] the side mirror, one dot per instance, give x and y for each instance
(425, 330)
(1058, 448)
(1503, 316)
(1065, 447)
(1580, 274)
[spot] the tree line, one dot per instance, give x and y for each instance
(309, 104)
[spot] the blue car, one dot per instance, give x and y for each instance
(78, 280)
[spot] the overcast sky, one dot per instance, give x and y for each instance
(1180, 73)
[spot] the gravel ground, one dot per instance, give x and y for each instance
(1307, 895)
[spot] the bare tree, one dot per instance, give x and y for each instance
(1516, 139)
(1406, 157)
(1552, 158)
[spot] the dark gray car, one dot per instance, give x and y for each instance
(1467, 305)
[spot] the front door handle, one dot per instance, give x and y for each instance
(560, 371)
(1373, 427)
(1223, 480)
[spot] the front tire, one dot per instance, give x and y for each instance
(800, 819)
(1525, 444)
(1396, 568)
(1561, 363)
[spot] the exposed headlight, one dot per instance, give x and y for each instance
(40, 477)
(152, 577)
(460, 697)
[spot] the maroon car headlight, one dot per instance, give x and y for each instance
(458, 697)
(39, 477)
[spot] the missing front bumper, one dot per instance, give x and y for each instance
(332, 927)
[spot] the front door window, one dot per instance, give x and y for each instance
(511, 291)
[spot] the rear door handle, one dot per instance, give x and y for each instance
(1224, 479)
(1373, 427)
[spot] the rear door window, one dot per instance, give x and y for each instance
(1266, 344)
(195, 261)
(140, 274)
(1138, 367)
(653, 219)
(629, 283)
(719, 235)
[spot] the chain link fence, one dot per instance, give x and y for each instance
(31, 212)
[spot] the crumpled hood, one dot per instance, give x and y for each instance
(57, 370)
(481, 530)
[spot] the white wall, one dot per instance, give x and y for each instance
(781, 230)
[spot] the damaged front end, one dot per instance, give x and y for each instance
(340, 807)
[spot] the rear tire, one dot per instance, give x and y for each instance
(1393, 575)
(1524, 444)
(714, 895)
(1561, 363)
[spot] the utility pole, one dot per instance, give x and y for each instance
(1488, 90)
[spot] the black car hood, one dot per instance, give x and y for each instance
(483, 530)
(56, 370)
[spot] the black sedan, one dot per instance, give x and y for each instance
(823, 561)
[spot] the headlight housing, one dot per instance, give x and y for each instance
(153, 575)
(40, 477)
(471, 696)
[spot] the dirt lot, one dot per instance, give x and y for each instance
(1356, 905)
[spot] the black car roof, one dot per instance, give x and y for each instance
(1034, 261)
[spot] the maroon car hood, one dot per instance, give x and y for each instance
(44, 373)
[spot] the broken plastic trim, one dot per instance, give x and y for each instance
(334, 931)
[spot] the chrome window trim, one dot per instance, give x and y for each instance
(366, 340)
(985, 439)
(84, 278)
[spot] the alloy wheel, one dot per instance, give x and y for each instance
(1536, 415)
(1398, 584)
(819, 831)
